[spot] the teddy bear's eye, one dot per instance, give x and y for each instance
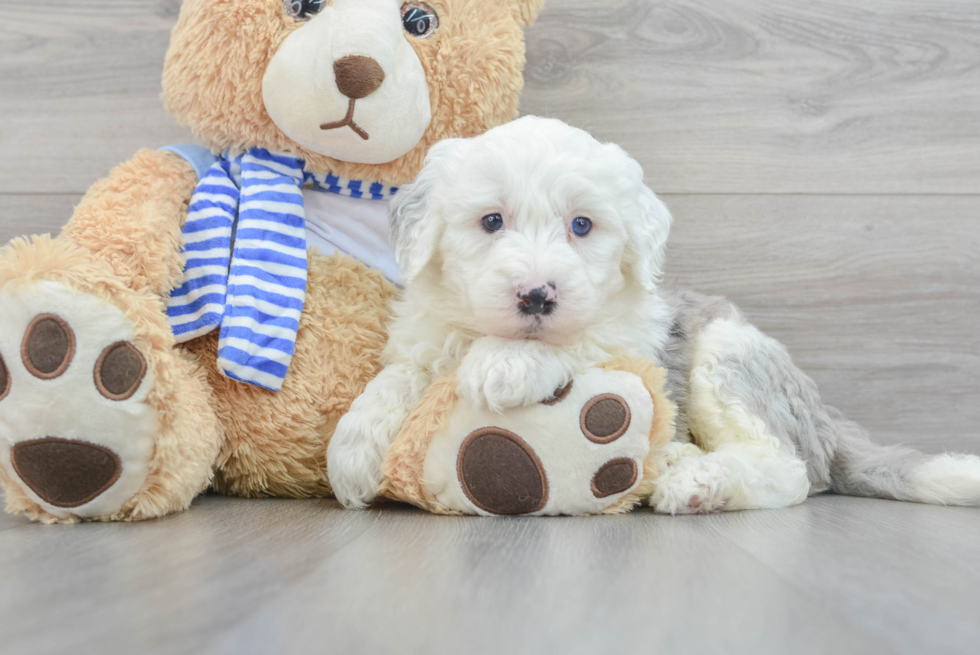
(419, 19)
(304, 9)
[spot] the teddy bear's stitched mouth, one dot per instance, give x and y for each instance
(347, 121)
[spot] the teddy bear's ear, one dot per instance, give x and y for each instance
(415, 223)
(528, 10)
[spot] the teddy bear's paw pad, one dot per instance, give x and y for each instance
(615, 476)
(4, 379)
(119, 371)
(76, 431)
(605, 418)
(500, 473)
(66, 473)
(559, 395)
(48, 347)
(579, 452)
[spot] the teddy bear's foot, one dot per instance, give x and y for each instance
(580, 452)
(76, 433)
(81, 397)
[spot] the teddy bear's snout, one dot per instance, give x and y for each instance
(65, 472)
(358, 76)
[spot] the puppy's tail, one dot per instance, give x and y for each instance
(861, 467)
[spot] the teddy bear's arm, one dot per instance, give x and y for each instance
(362, 437)
(132, 220)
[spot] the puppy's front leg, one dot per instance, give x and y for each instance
(363, 434)
(500, 373)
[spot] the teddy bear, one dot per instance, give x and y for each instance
(209, 312)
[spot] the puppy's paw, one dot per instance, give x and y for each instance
(502, 374)
(353, 465)
(497, 384)
(691, 485)
(675, 451)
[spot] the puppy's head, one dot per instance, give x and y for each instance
(532, 230)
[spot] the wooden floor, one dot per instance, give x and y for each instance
(834, 575)
(822, 160)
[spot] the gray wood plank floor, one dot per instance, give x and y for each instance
(822, 160)
(836, 574)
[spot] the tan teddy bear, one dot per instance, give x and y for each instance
(185, 329)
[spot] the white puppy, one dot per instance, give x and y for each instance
(534, 251)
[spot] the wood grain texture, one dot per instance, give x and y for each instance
(770, 96)
(80, 90)
(879, 562)
(22, 214)
(738, 96)
(257, 576)
(877, 298)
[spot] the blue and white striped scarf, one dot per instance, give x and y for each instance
(245, 270)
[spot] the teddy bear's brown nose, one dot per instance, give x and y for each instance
(358, 76)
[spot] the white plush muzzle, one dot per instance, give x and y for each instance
(301, 93)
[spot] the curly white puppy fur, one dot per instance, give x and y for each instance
(534, 251)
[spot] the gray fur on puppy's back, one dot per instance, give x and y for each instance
(690, 312)
(838, 453)
(765, 381)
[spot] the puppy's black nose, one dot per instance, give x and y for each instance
(540, 300)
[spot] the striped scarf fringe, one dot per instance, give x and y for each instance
(248, 276)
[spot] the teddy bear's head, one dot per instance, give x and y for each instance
(360, 88)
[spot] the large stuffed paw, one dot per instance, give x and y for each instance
(77, 433)
(82, 406)
(586, 450)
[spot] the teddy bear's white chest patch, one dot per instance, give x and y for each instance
(353, 226)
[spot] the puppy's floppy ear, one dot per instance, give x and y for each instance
(647, 230)
(528, 10)
(414, 225)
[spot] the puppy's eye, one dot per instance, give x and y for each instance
(304, 9)
(419, 19)
(493, 222)
(581, 226)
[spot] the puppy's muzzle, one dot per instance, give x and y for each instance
(539, 300)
